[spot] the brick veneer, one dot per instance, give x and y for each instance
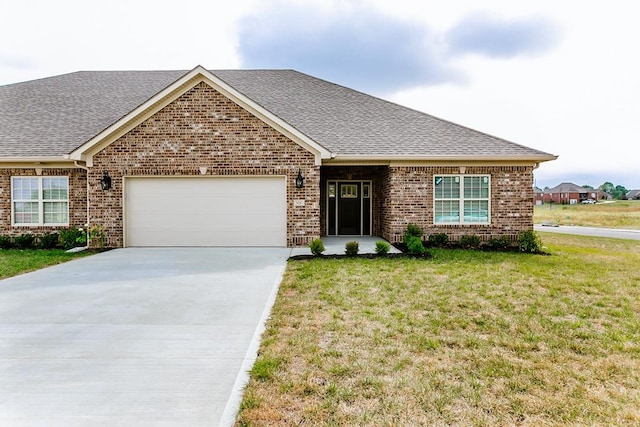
(203, 128)
(408, 198)
(77, 199)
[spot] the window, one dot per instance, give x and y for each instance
(40, 200)
(461, 199)
(349, 191)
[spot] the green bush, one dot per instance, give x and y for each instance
(382, 247)
(440, 239)
(72, 237)
(528, 241)
(6, 242)
(351, 248)
(48, 241)
(469, 241)
(317, 247)
(415, 246)
(24, 241)
(412, 230)
(499, 243)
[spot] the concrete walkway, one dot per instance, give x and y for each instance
(134, 337)
(334, 245)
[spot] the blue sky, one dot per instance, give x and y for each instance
(539, 73)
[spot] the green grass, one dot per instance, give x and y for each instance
(16, 261)
(618, 214)
(467, 338)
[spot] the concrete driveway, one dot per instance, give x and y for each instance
(134, 337)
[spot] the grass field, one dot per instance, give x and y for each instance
(466, 338)
(16, 261)
(618, 214)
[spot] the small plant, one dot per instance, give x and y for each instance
(469, 241)
(6, 242)
(382, 247)
(415, 246)
(412, 230)
(96, 235)
(24, 241)
(528, 241)
(317, 247)
(499, 243)
(439, 239)
(351, 248)
(71, 237)
(48, 241)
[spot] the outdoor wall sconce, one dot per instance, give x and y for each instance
(299, 180)
(105, 182)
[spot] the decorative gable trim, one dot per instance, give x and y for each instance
(86, 151)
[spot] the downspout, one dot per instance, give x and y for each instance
(78, 165)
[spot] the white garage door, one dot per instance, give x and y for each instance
(205, 211)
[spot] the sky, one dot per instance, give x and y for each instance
(559, 76)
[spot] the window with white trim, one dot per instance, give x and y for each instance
(40, 200)
(461, 199)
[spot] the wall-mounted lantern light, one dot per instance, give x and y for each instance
(299, 180)
(105, 182)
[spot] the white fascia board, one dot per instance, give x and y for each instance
(199, 74)
(439, 159)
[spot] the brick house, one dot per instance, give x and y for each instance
(568, 193)
(246, 158)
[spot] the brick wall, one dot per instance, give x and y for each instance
(408, 198)
(77, 199)
(204, 128)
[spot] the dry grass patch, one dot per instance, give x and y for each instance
(468, 338)
(620, 214)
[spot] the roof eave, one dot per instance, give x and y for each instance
(382, 159)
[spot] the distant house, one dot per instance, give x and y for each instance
(568, 193)
(538, 196)
(633, 195)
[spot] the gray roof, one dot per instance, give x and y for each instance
(55, 115)
(569, 187)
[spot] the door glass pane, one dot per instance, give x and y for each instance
(365, 191)
(332, 190)
(349, 191)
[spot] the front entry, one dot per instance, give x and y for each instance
(349, 208)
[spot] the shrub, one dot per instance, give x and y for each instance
(415, 246)
(96, 235)
(72, 237)
(382, 247)
(499, 243)
(351, 248)
(439, 239)
(317, 247)
(24, 241)
(412, 230)
(528, 241)
(48, 241)
(5, 242)
(469, 241)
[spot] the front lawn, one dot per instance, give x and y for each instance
(467, 338)
(17, 261)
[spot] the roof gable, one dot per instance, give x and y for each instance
(175, 90)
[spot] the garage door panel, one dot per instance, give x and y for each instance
(238, 211)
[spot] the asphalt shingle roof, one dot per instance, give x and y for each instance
(55, 115)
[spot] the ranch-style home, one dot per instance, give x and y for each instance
(246, 158)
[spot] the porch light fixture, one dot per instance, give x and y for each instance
(299, 180)
(105, 182)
